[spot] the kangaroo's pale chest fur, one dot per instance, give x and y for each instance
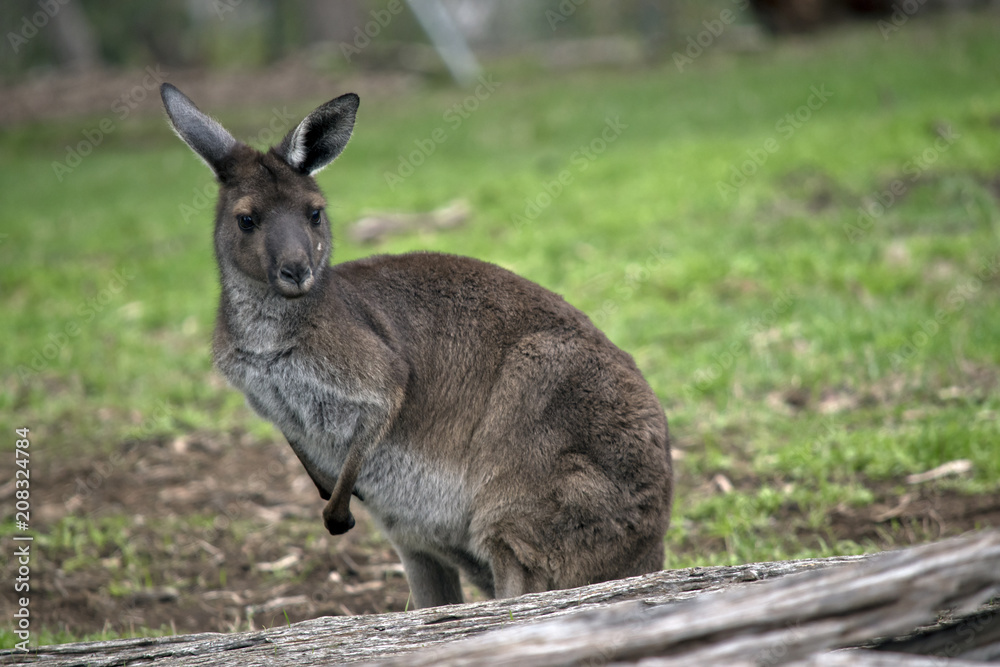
(315, 414)
(418, 503)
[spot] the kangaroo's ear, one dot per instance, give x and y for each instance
(203, 134)
(321, 137)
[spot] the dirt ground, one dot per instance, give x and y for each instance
(196, 534)
(203, 534)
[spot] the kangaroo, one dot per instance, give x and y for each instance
(487, 425)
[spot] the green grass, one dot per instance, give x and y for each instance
(728, 303)
(47, 637)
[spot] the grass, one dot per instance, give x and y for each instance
(47, 637)
(806, 344)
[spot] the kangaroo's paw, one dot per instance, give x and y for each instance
(338, 523)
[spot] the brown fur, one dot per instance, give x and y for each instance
(486, 423)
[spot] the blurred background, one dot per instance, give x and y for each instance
(72, 44)
(81, 36)
(787, 211)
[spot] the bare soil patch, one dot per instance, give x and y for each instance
(196, 534)
(223, 533)
(923, 514)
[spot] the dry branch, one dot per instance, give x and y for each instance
(791, 620)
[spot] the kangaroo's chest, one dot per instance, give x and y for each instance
(289, 394)
(316, 414)
(418, 502)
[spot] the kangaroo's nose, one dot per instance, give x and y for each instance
(296, 273)
(294, 278)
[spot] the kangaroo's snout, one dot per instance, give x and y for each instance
(291, 271)
(294, 278)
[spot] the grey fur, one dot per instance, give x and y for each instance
(488, 426)
(203, 134)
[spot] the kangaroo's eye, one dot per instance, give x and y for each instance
(315, 216)
(245, 222)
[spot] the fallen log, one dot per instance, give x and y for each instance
(749, 614)
(780, 622)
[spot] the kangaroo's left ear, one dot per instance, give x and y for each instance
(203, 134)
(321, 136)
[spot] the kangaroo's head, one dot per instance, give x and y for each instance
(270, 226)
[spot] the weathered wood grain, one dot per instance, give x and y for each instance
(970, 637)
(774, 623)
(697, 616)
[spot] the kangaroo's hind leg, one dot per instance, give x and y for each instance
(511, 576)
(432, 583)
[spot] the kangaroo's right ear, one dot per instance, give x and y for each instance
(204, 135)
(321, 136)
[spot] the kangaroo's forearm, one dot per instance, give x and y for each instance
(371, 430)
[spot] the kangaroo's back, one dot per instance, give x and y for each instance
(487, 424)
